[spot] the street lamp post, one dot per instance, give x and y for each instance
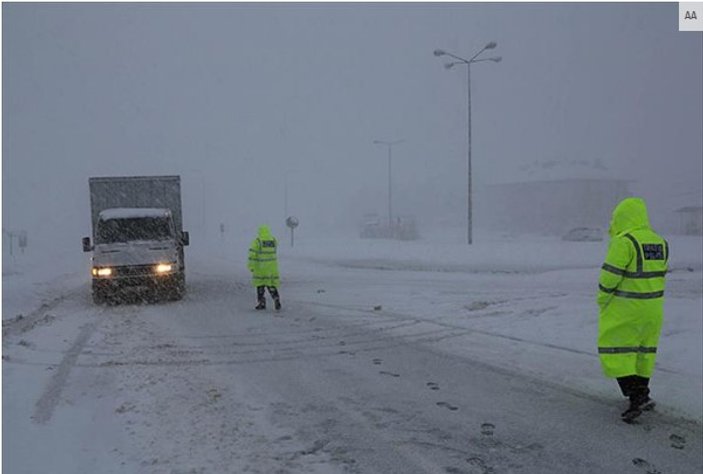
(390, 195)
(285, 196)
(468, 62)
(288, 190)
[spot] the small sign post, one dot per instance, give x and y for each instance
(22, 240)
(291, 223)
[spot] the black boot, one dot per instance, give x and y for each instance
(276, 297)
(628, 386)
(648, 405)
(642, 398)
(636, 388)
(637, 406)
(261, 299)
(632, 412)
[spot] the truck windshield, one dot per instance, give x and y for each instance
(131, 229)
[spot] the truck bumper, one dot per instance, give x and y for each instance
(171, 286)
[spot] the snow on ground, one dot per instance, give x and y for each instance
(424, 356)
(538, 290)
(32, 282)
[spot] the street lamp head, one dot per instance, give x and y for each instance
(449, 65)
(491, 45)
(439, 52)
(497, 60)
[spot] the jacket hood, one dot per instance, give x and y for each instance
(629, 215)
(265, 232)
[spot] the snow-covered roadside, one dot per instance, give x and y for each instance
(493, 253)
(53, 420)
(208, 385)
(29, 281)
(34, 281)
(538, 292)
(536, 289)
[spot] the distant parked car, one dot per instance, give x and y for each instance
(372, 230)
(584, 234)
(371, 227)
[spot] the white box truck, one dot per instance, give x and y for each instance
(138, 237)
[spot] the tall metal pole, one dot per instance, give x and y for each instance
(390, 178)
(460, 60)
(469, 217)
(285, 196)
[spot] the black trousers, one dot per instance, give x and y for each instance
(273, 291)
(634, 387)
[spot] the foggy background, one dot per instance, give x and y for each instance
(246, 100)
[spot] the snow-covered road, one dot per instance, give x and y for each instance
(393, 367)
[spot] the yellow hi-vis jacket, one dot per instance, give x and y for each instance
(262, 262)
(631, 293)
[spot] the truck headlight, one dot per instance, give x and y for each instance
(103, 272)
(163, 268)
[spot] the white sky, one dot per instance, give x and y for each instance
(235, 97)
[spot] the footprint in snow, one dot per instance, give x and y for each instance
(642, 464)
(447, 405)
(455, 470)
(432, 386)
(487, 429)
(389, 373)
(677, 442)
(480, 465)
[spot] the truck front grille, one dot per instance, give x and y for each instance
(133, 271)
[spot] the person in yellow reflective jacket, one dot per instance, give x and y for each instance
(263, 266)
(631, 300)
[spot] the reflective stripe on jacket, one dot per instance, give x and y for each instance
(263, 262)
(631, 293)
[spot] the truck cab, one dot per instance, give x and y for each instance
(136, 250)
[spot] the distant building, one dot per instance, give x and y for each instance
(691, 220)
(553, 207)
(554, 198)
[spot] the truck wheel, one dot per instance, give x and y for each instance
(178, 288)
(99, 297)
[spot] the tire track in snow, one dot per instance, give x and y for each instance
(22, 323)
(319, 336)
(46, 404)
(381, 344)
(332, 337)
(405, 317)
(312, 350)
(355, 341)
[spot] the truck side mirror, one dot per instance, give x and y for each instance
(185, 238)
(86, 244)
